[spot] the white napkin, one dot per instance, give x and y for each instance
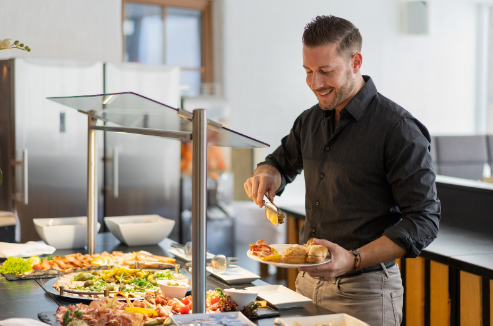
(31, 248)
(21, 322)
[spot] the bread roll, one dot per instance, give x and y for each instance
(294, 255)
(317, 254)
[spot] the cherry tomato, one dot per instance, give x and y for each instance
(38, 267)
(215, 299)
(184, 310)
(185, 301)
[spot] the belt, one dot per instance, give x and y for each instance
(369, 269)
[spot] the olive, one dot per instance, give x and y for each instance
(83, 277)
(88, 283)
(111, 287)
(95, 273)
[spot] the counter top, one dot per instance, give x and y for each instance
(27, 298)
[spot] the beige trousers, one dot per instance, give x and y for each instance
(375, 298)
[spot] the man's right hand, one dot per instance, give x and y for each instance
(265, 179)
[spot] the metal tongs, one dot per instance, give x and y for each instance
(272, 212)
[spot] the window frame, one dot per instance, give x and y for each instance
(206, 68)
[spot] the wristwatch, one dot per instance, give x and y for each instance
(357, 259)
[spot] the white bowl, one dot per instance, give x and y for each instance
(63, 232)
(173, 291)
(140, 230)
(241, 297)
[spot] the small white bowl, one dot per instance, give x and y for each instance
(63, 232)
(241, 297)
(173, 291)
(140, 230)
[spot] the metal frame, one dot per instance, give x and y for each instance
(199, 191)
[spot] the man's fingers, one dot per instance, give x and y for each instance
(325, 243)
(261, 192)
(248, 188)
(316, 268)
(272, 193)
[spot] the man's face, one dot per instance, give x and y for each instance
(329, 75)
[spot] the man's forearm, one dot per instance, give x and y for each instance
(381, 250)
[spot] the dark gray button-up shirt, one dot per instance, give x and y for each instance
(373, 176)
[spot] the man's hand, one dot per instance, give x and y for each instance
(265, 179)
(341, 262)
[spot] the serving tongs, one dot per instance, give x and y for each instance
(272, 212)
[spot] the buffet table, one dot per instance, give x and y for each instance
(27, 298)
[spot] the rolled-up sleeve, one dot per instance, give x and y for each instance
(409, 171)
(287, 158)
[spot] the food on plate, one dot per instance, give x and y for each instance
(309, 253)
(316, 254)
(77, 262)
(251, 310)
(154, 309)
(294, 255)
(16, 265)
(120, 281)
(274, 218)
(261, 249)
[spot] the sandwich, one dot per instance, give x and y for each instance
(294, 255)
(316, 254)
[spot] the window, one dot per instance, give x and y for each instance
(171, 32)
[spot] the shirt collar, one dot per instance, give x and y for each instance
(358, 104)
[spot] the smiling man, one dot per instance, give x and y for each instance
(370, 184)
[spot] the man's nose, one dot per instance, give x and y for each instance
(317, 81)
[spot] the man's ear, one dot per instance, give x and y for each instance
(356, 62)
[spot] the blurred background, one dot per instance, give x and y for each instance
(239, 59)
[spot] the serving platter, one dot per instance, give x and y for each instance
(340, 319)
(280, 249)
(280, 296)
(235, 275)
(224, 318)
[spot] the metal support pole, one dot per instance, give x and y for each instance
(92, 196)
(199, 208)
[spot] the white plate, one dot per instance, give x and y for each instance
(324, 320)
(180, 254)
(280, 296)
(197, 318)
(280, 249)
(235, 275)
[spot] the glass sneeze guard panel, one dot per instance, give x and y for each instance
(132, 110)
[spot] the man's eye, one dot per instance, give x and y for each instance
(308, 72)
(327, 72)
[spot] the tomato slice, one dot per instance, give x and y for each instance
(185, 310)
(215, 299)
(185, 301)
(38, 267)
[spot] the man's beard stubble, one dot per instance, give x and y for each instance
(342, 94)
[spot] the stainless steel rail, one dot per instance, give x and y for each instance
(92, 196)
(199, 209)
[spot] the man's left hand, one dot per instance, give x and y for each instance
(341, 262)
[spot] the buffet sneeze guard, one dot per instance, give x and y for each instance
(136, 114)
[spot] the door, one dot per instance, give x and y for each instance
(148, 178)
(55, 139)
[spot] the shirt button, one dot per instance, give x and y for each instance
(313, 230)
(322, 175)
(327, 148)
(317, 203)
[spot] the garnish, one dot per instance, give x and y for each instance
(251, 310)
(16, 265)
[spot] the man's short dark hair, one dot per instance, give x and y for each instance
(325, 30)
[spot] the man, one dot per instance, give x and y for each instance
(370, 185)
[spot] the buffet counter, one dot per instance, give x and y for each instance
(27, 298)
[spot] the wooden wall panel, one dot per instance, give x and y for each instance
(471, 313)
(439, 295)
(415, 291)
(491, 302)
(293, 237)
